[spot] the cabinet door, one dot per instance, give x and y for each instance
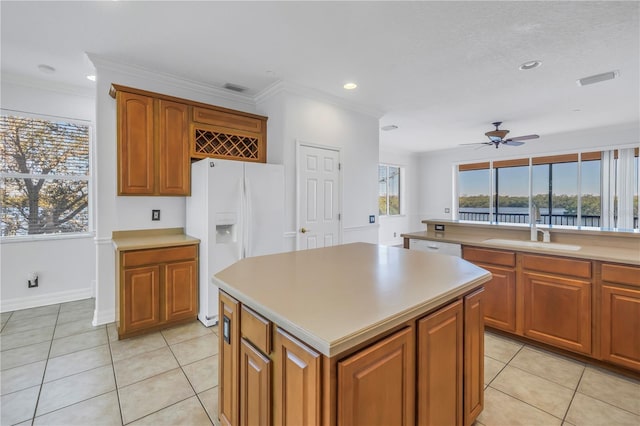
(181, 290)
(228, 360)
(440, 367)
(621, 325)
(499, 299)
(136, 162)
(376, 385)
(473, 356)
(557, 311)
(173, 146)
(255, 386)
(297, 386)
(141, 292)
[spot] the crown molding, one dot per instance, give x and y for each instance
(298, 89)
(106, 63)
(52, 86)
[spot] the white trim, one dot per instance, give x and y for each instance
(103, 317)
(8, 305)
(361, 228)
(49, 85)
(45, 237)
(290, 234)
(300, 90)
(103, 62)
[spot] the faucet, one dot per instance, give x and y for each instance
(534, 216)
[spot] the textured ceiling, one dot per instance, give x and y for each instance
(440, 71)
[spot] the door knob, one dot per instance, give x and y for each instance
(304, 230)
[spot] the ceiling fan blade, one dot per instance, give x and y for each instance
(476, 143)
(511, 142)
(523, 138)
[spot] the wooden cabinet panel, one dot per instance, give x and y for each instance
(256, 329)
(440, 367)
(155, 256)
(297, 382)
(136, 152)
(473, 356)
(376, 385)
(228, 360)
(620, 331)
(499, 299)
(557, 265)
(255, 386)
(142, 298)
(629, 275)
(493, 257)
(557, 310)
(181, 290)
(233, 120)
(173, 146)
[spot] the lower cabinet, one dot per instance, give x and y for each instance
(376, 385)
(157, 288)
(620, 315)
(431, 368)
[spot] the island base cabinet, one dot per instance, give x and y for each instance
(297, 382)
(473, 356)
(557, 311)
(228, 360)
(376, 385)
(621, 326)
(255, 386)
(440, 368)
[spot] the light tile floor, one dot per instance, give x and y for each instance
(56, 369)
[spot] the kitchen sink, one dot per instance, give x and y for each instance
(534, 244)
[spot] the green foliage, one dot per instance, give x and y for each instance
(48, 202)
(394, 205)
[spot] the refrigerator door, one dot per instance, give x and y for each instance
(264, 191)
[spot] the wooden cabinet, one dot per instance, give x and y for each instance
(228, 360)
(499, 299)
(157, 288)
(440, 367)
(473, 356)
(297, 383)
(255, 386)
(153, 145)
(620, 315)
(557, 308)
(376, 385)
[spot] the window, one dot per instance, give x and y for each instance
(474, 187)
(388, 190)
(45, 176)
(555, 189)
(511, 186)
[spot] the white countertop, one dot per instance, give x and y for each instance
(335, 298)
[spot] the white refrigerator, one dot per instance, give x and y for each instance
(236, 209)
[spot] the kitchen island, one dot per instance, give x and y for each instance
(351, 334)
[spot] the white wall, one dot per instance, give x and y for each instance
(296, 118)
(409, 221)
(66, 266)
(436, 172)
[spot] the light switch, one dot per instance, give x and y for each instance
(155, 214)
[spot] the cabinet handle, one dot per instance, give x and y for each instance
(226, 329)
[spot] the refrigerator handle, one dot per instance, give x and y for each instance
(248, 213)
(241, 219)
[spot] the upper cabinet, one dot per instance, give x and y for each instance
(158, 136)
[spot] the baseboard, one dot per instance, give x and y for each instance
(103, 317)
(8, 305)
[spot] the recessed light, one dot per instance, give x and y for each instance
(529, 65)
(598, 78)
(350, 86)
(91, 77)
(47, 69)
(389, 127)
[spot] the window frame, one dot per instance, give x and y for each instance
(88, 178)
(401, 178)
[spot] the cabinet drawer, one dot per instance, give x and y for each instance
(155, 256)
(494, 257)
(555, 265)
(621, 274)
(256, 329)
(227, 119)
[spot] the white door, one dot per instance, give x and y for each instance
(319, 192)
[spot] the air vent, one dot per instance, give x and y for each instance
(235, 87)
(598, 78)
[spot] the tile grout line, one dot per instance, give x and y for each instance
(575, 391)
(525, 402)
(115, 378)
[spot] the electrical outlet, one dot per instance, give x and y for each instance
(155, 214)
(372, 219)
(447, 210)
(32, 280)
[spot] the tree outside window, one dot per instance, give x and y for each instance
(388, 190)
(45, 176)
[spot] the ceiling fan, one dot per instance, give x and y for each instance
(497, 137)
